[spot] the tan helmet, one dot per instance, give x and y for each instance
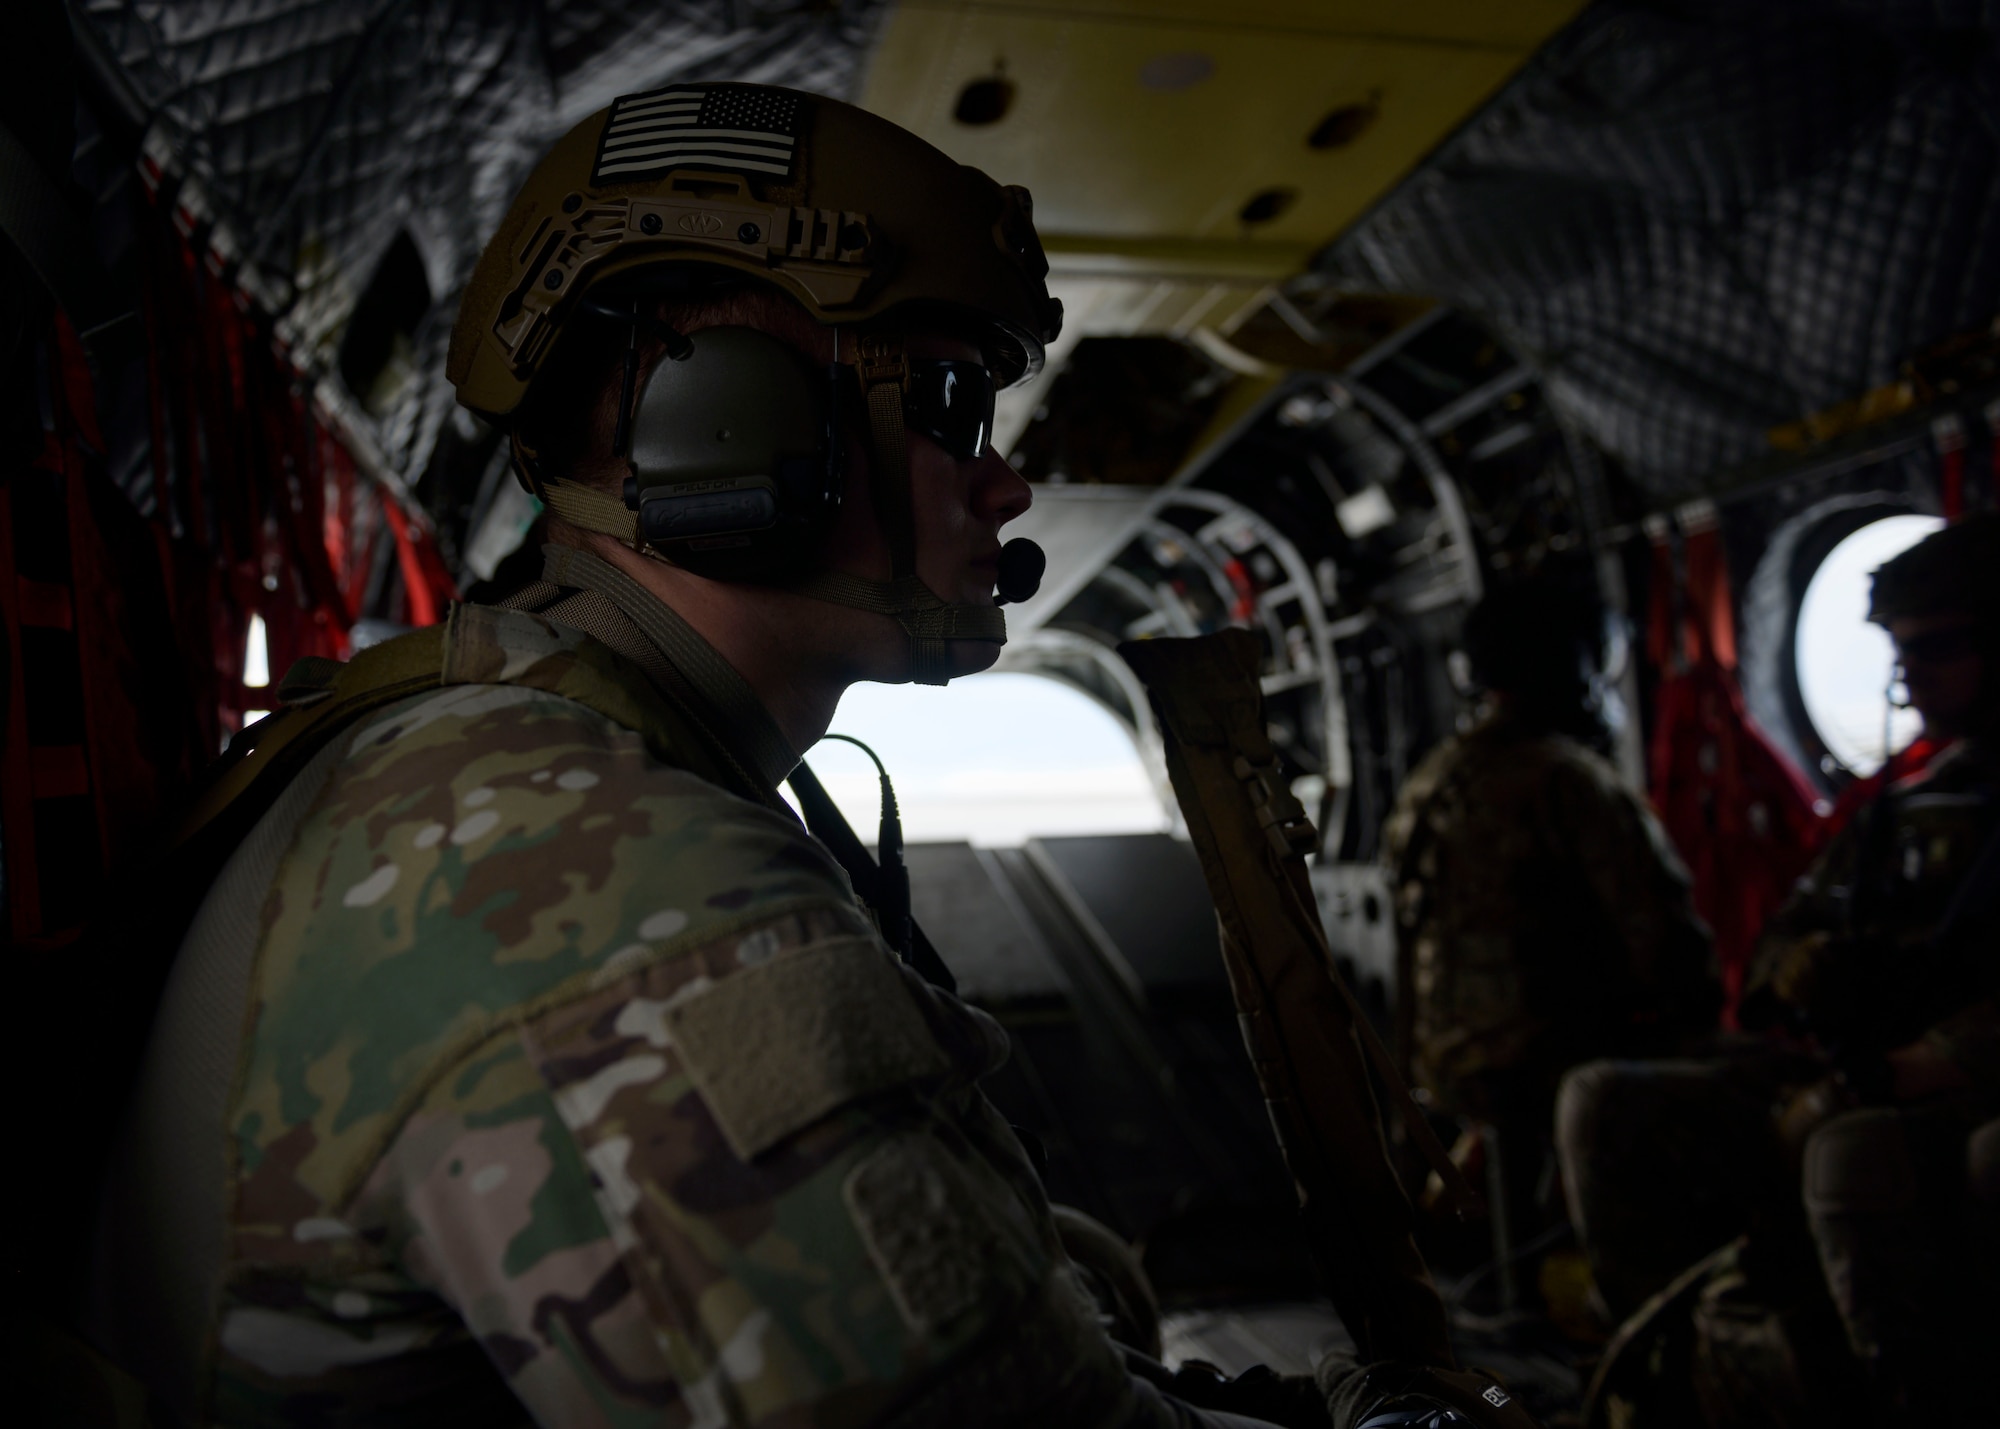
(852, 216)
(849, 214)
(1952, 570)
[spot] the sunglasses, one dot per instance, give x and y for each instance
(951, 402)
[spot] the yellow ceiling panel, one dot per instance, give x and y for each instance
(1506, 24)
(1158, 120)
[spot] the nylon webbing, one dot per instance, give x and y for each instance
(589, 509)
(921, 611)
(376, 677)
(689, 669)
(890, 448)
(598, 616)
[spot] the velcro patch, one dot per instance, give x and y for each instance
(495, 647)
(925, 1231)
(775, 1047)
(741, 128)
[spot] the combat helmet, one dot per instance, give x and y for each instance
(1954, 569)
(859, 221)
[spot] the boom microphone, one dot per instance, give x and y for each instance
(1021, 565)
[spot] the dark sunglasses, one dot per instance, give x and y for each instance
(951, 403)
(1939, 647)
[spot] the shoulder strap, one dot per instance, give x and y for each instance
(320, 699)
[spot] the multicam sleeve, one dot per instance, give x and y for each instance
(752, 1185)
(486, 1201)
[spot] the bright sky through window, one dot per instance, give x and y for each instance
(1844, 662)
(993, 760)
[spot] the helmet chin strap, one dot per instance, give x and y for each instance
(929, 621)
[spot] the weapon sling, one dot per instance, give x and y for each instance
(1304, 1032)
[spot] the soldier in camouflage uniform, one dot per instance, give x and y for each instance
(528, 1060)
(1883, 971)
(1543, 917)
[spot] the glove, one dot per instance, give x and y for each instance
(1403, 1396)
(1783, 988)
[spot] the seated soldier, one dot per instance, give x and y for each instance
(528, 1059)
(1543, 917)
(1882, 969)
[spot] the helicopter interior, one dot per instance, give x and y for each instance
(1370, 309)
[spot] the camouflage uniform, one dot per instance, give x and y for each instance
(1848, 957)
(1905, 1246)
(570, 1086)
(1542, 918)
(1666, 1161)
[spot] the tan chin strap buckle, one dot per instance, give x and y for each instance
(883, 366)
(588, 509)
(884, 369)
(930, 622)
(583, 507)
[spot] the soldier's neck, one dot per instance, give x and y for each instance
(797, 655)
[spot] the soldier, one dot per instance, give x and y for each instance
(1543, 918)
(1884, 964)
(528, 1056)
(1889, 957)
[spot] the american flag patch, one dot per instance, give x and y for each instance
(742, 129)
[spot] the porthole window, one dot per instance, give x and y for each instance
(992, 760)
(1845, 663)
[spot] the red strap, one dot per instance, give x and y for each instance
(1245, 607)
(1711, 619)
(426, 582)
(1948, 436)
(423, 609)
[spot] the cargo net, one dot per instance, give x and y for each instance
(304, 140)
(1703, 219)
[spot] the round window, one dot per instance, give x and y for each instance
(1844, 663)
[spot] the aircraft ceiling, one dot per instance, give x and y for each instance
(1695, 219)
(1701, 220)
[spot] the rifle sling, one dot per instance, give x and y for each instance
(1303, 1029)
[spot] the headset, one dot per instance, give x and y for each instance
(737, 446)
(737, 454)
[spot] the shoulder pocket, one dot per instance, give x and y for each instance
(774, 1048)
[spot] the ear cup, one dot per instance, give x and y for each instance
(736, 458)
